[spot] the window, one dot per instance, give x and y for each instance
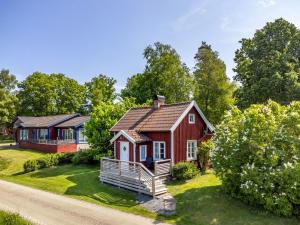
(191, 118)
(143, 152)
(82, 137)
(43, 134)
(24, 134)
(159, 150)
(68, 134)
(191, 150)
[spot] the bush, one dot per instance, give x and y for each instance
(257, 156)
(185, 171)
(203, 153)
(65, 158)
(30, 165)
(48, 161)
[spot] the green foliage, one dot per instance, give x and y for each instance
(103, 117)
(213, 90)
(30, 165)
(47, 161)
(164, 74)
(268, 65)
(203, 153)
(12, 219)
(42, 94)
(88, 156)
(257, 156)
(185, 171)
(8, 99)
(100, 89)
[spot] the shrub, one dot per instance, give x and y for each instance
(89, 156)
(65, 158)
(48, 161)
(30, 165)
(203, 153)
(257, 156)
(185, 171)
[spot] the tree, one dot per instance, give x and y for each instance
(8, 100)
(164, 74)
(257, 156)
(42, 94)
(213, 90)
(100, 89)
(268, 65)
(103, 117)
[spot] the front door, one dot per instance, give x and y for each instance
(124, 150)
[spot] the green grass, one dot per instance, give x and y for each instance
(12, 219)
(6, 139)
(199, 201)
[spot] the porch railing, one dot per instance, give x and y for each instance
(162, 167)
(132, 170)
(52, 142)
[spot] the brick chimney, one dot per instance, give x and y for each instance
(158, 101)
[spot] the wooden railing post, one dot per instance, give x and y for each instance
(140, 183)
(120, 172)
(153, 186)
(155, 167)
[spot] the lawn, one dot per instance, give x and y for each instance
(199, 201)
(12, 219)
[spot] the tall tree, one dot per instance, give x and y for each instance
(100, 89)
(164, 74)
(42, 94)
(268, 65)
(8, 100)
(213, 90)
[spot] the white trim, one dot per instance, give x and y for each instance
(172, 147)
(187, 150)
(115, 153)
(154, 142)
(122, 132)
(194, 118)
(187, 110)
(142, 160)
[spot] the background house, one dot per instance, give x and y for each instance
(59, 133)
(163, 131)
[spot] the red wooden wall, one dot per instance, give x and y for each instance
(186, 131)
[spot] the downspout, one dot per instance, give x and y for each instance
(172, 147)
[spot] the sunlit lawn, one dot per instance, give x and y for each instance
(199, 201)
(9, 218)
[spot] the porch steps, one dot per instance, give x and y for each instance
(133, 176)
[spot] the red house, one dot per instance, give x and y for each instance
(53, 134)
(163, 131)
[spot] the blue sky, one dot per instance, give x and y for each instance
(83, 38)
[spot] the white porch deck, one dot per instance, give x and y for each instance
(135, 176)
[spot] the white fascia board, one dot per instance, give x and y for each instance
(183, 115)
(122, 132)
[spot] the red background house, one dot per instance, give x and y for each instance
(162, 132)
(53, 134)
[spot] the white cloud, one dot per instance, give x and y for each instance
(183, 20)
(266, 3)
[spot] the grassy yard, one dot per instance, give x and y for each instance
(12, 219)
(199, 201)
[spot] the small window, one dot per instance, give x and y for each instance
(191, 150)
(143, 152)
(24, 134)
(191, 118)
(82, 137)
(159, 150)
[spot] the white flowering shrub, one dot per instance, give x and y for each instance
(257, 156)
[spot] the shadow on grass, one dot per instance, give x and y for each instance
(86, 185)
(209, 205)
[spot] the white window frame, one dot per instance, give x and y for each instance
(159, 142)
(188, 148)
(145, 155)
(81, 137)
(23, 134)
(192, 115)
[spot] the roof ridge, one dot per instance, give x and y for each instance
(171, 104)
(71, 114)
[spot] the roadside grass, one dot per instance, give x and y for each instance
(6, 139)
(199, 201)
(7, 218)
